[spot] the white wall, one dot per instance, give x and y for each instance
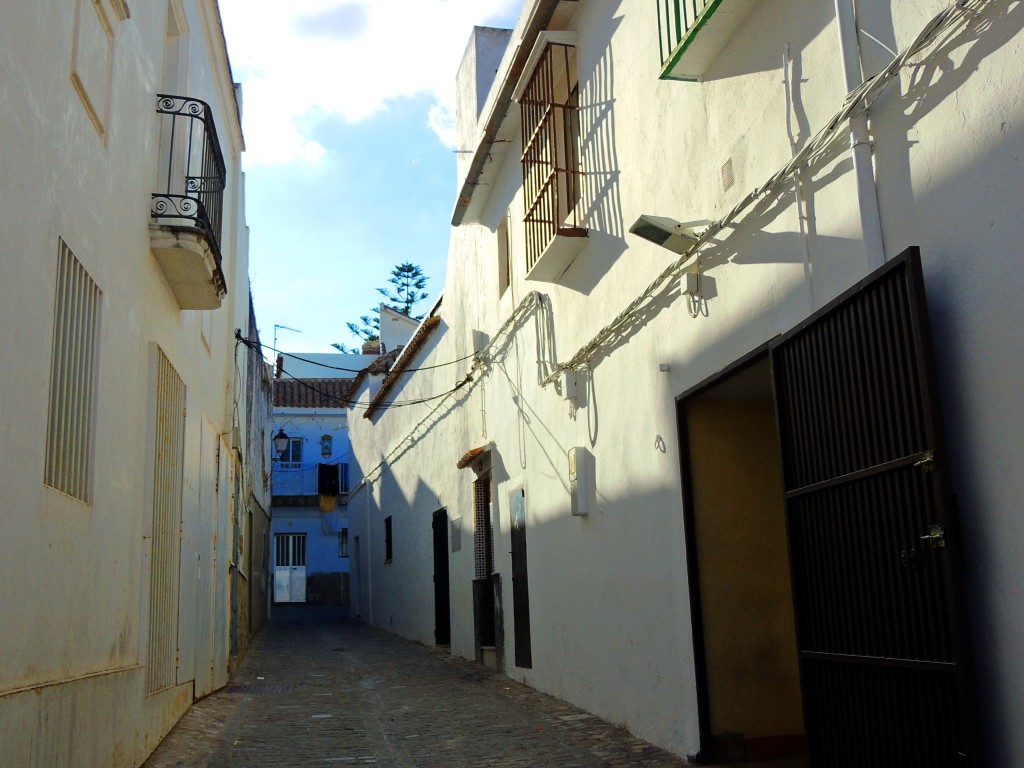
(609, 599)
(79, 612)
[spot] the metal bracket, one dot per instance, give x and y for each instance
(936, 536)
(927, 464)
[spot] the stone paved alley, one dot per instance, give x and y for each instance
(335, 692)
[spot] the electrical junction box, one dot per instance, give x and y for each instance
(691, 284)
(581, 481)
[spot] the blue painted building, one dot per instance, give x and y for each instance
(310, 482)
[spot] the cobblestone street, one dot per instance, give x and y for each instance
(335, 692)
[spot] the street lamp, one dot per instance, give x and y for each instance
(280, 441)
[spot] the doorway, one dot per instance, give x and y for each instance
(834, 425)
(290, 568)
(442, 599)
(520, 581)
(740, 571)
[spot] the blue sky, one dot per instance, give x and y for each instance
(350, 163)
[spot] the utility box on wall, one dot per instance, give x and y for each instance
(581, 481)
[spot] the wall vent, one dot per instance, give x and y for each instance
(728, 175)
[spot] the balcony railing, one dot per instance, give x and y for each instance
(692, 32)
(190, 191)
(302, 478)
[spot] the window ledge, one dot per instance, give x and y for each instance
(559, 254)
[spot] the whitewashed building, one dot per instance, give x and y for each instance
(132, 455)
(684, 443)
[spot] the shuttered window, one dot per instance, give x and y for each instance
(168, 457)
(69, 429)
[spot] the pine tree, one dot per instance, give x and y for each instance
(407, 289)
(408, 281)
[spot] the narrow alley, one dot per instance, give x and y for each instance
(332, 691)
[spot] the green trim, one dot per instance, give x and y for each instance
(684, 44)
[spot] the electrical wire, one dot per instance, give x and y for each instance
(353, 370)
(857, 100)
(346, 402)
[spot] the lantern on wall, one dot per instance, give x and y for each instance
(326, 446)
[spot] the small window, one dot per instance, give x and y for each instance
(292, 456)
(457, 534)
(343, 543)
(70, 417)
(387, 539)
(343, 486)
(504, 261)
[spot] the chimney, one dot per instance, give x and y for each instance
(473, 84)
(280, 367)
(371, 347)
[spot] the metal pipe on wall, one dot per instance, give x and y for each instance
(860, 140)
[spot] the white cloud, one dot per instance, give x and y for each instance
(344, 58)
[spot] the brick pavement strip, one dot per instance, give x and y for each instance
(340, 693)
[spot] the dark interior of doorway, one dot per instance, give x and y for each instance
(749, 697)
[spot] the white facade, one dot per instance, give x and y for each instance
(114, 626)
(610, 602)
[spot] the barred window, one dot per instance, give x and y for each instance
(551, 150)
(69, 429)
(343, 543)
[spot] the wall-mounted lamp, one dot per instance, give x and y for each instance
(280, 441)
(676, 236)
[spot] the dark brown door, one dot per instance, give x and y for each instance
(520, 582)
(442, 601)
(873, 543)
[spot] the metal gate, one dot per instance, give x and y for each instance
(873, 542)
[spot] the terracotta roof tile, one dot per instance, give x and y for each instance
(311, 393)
(414, 345)
(469, 456)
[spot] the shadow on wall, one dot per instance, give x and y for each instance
(751, 50)
(600, 205)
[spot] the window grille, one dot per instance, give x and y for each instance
(168, 452)
(70, 416)
(483, 533)
(551, 155)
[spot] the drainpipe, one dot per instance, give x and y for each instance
(860, 143)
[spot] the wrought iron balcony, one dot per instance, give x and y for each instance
(691, 33)
(186, 209)
(300, 482)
